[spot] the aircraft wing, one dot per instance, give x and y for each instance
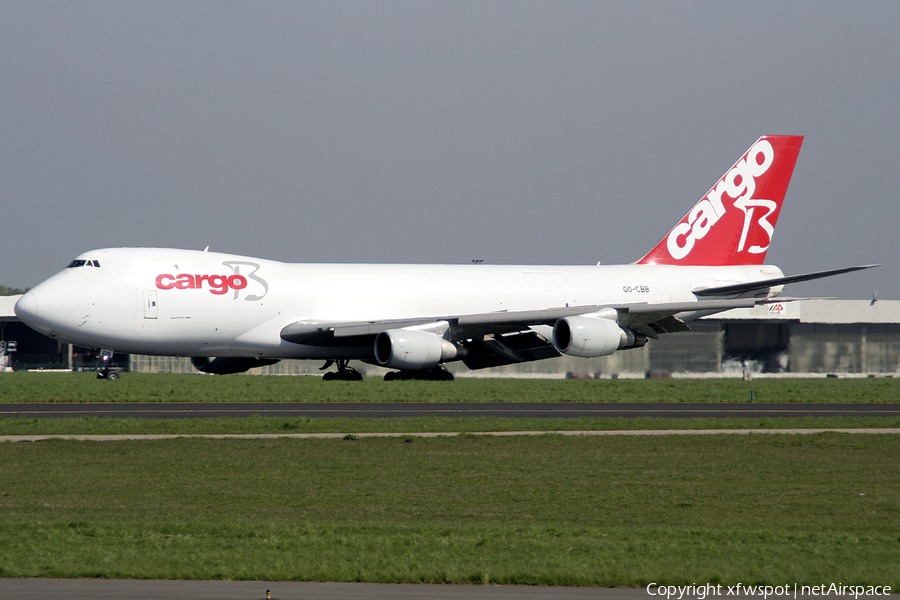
(499, 338)
(316, 333)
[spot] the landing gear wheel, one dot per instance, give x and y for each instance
(438, 374)
(108, 373)
(344, 373)
(104, 368)
(430, 374)
(441, 374)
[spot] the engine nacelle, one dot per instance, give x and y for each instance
(588, 337)
(412, 350)
(228, 365)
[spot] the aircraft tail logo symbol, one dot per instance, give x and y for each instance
(734, 222)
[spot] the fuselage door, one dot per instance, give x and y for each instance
(150, 308)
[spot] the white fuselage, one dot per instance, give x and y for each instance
(192, 303)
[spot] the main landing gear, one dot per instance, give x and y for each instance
(429, 374)
(344, 373)
(347, 373)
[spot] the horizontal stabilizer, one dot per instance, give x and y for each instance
(741, 288)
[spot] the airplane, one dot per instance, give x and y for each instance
(231, 313)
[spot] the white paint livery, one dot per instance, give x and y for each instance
(106, 307)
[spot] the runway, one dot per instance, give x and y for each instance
(92, 589)
(129, 589)
(162, 410)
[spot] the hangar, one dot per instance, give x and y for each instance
(805, 337)
(31, 350)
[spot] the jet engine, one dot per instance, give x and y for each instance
(412, 350)
(228, 365)
(590, 336)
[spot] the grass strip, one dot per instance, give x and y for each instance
(549, 510)
(256, 424)
(143, 387)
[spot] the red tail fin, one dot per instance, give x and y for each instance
(733, 223)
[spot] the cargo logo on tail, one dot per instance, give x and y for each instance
(734, 222)
(739, 184)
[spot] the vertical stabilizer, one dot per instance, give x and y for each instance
(733, 223)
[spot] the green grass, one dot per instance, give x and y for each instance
(527, 510)
(544, 510)
(258, 424)
(140, 387)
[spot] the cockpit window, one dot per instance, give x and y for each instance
(83, 263)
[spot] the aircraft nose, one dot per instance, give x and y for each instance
(26, 308)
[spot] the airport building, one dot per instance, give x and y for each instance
(804, 337)
(23, 348)
(857, 337)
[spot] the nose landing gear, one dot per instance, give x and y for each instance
(105, 369)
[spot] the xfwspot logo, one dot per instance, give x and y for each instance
(739, 184)
(704, 591)
(217, 284)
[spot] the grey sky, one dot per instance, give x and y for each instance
(514, 132)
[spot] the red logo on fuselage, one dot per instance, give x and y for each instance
(218, 284)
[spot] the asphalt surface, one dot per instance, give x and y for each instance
(125, 589)
(196, 410)
(97, 589)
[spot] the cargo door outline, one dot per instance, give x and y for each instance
(151, 308)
